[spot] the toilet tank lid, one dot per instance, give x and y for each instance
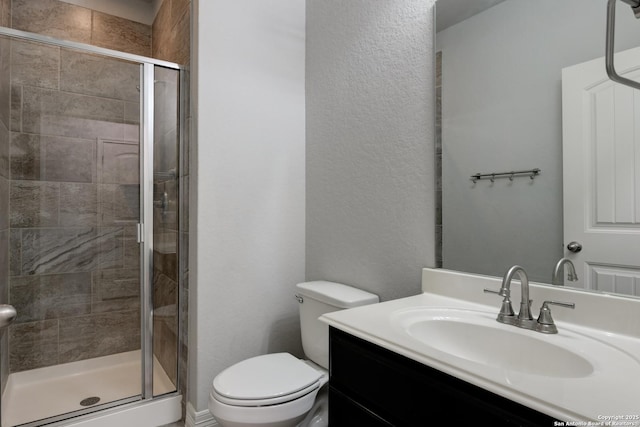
(336, 294)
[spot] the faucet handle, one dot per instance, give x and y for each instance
(506, 315)
(545, 324)
(502, 292)
(560, 303)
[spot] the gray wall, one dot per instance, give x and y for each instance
(370, 145)
(502, 110)
(368, 203)
(247, 177)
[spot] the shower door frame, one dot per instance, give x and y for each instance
(145, 225)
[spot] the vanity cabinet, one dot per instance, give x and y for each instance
(372, 386)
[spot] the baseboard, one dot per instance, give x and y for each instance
(199, 419)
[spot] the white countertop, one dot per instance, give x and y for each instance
(611, 391)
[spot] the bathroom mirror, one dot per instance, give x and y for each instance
(521, 86)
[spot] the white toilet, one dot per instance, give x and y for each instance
(280, 390)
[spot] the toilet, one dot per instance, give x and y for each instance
(280, 390)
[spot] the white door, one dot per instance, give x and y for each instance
(601, 164)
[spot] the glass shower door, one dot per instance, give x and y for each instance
(166, 173)
(73, 142)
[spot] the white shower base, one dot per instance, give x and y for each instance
(46, 392)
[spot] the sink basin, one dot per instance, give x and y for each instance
(477, 337)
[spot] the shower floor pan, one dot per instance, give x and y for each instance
(46, 392)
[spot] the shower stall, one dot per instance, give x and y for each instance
(90, 154)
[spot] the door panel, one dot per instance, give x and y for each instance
(601, 164)
(618, 280)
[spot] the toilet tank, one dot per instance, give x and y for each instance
(320, 297)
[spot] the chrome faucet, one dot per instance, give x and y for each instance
(523, 319)
(557, 278)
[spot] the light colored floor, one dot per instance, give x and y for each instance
(176, 424)
(47, 392)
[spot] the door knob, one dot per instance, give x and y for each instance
(574, 247)
(7, 315)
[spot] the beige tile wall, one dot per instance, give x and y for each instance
(120, 34)
(171, 32)
(70, 22)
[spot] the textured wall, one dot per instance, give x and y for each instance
(249, 185)
(370, 143)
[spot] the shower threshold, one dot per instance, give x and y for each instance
(46, 392)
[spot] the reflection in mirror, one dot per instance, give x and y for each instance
(521, 86)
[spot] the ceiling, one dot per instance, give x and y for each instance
(450, 12)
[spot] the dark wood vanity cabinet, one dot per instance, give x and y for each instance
(372, 386)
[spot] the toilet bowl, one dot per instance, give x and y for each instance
(273, 390)
(280, 390)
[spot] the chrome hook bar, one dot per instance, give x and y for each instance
(531, 173)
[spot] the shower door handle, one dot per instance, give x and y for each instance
(7, 315)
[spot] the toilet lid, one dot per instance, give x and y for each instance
(265, 377)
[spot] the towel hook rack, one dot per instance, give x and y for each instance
(531, 173)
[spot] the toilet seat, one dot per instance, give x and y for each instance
(283, 414)
(265, 402)
(264, 380)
